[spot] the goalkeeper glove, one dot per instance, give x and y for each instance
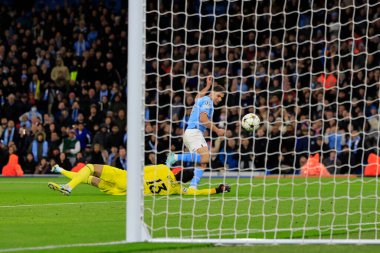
(223, 188)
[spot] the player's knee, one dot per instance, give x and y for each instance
(205, 158)
(204, 166)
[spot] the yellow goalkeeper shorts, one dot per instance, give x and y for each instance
(115, 180)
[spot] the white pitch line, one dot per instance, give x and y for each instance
(62, 204)
(62, 246)
(76, 203)
(151, 199)
(23, 182)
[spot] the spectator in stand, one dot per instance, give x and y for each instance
(120, 119)
(49, 125)
(111, 75)
(96, 155)
(35, 88)
(373, 138)
(335, 138)
(10, 134)
(273, 160)
(81, 45)
(108, 123)
(101, 136)
(24, 122)
(54, 143)
(62, 160)
(113, 155)
(228, 154)
(82, 135)
(246, 154)
(303, 139)
(75, 110)
(23, 104)
(43, 167)
(93, 34)
(33, 113)
(39, 147)
(288, 144)
(104, 106)
(70, 146)
(29, 164)
(24, 84)
(60, 73)
(9, 109)
(152, 159)
(260, 149)
(115, 138)
(352, 154)
(121, 160)
(3, 126)
(64, 118)
(117, 104)
(333, 163)
(94, 117)
(104, 92)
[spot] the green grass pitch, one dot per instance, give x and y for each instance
(31, 215)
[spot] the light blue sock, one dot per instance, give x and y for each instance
(197, 177)
(189, 157)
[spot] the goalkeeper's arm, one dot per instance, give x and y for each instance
(220, 189)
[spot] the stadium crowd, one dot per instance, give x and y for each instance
(62, 91)
(312, 75)
(315, 87)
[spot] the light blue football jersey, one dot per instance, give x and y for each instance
(203, 104)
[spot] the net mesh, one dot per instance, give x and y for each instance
(310, 70)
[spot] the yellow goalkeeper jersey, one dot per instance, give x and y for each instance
(158, 180)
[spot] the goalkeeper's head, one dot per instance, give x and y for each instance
(183, 175)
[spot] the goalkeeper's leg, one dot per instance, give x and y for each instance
(83, 176)
(69, 174)
(57, 169)
(106, 187)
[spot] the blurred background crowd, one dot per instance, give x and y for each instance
(62, 89)
(312, 75)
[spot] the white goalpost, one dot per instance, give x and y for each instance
(309, 70)
(135, 148)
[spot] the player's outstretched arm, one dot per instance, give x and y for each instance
(208, 123)
(204, 91)
(222, 188)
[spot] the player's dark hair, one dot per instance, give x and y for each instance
(218, 88)
(184, 175)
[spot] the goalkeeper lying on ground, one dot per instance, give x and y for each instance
(158, 180)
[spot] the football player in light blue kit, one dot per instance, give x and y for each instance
(200, 119)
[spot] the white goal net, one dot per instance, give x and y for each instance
(310, 70)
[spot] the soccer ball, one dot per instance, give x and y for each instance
(250, 122)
